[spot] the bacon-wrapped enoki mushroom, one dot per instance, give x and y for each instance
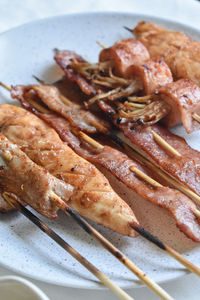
(31, 183)
(181, 53)
(149, 75)
(93, 196)
(174, 103)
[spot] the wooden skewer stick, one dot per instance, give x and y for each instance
(127, 28)
(5, 86)
(145, 177)
(167, 147)
(105, 243)
(101, 45)
(53, 235)
(196, 117)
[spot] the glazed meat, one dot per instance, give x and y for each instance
(148, 76)
(183, 97)
(93, 196)
(31, 183)
(184, 168)
(120, 166)
(124, 54)
(181, 53)
(84, 120)
(153, 74)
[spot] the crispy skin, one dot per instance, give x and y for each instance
(154, 73)
(123, 54)
(183, 96)
(82, 119)
(180, 206)
(64, 59)
(181, 53)
(31, 183)
(93, 196)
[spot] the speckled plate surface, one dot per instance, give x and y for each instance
(28, 50)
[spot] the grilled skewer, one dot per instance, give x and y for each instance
(120, 166)
(166, 248)
(62, 243)
(20, 183)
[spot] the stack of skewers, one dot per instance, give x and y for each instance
(49, 147)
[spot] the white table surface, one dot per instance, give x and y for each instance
(17, 12)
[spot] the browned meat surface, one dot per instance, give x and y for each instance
(31, 183)
(148, 76)
(64, 59)
(78, 117)
(119, 165)
(183, 96)
(93, 196)
(123, 54)
(154, 73)
(185, 168)
(181, 53)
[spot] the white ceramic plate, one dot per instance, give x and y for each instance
(28, 50)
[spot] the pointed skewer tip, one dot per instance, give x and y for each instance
(127, 28)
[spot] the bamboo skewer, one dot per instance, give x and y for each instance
(101, 45)
(167, 147)
(196, 117)
(53, 235)
(106, 244)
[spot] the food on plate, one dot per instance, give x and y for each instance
(93, 196)
(180, 52)
(121, 166)
(32, 184)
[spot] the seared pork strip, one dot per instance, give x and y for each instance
(93, 196)
(84, 120)
(180, 52)
(119, 164)
(184, 168)
(124, 54)
(31, 183)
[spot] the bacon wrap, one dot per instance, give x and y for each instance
(123, 54)
(78, 117)
(183, 96)
(153, 74)
(180, 52)
(64, 59)
(184, 168)
(118, 163)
